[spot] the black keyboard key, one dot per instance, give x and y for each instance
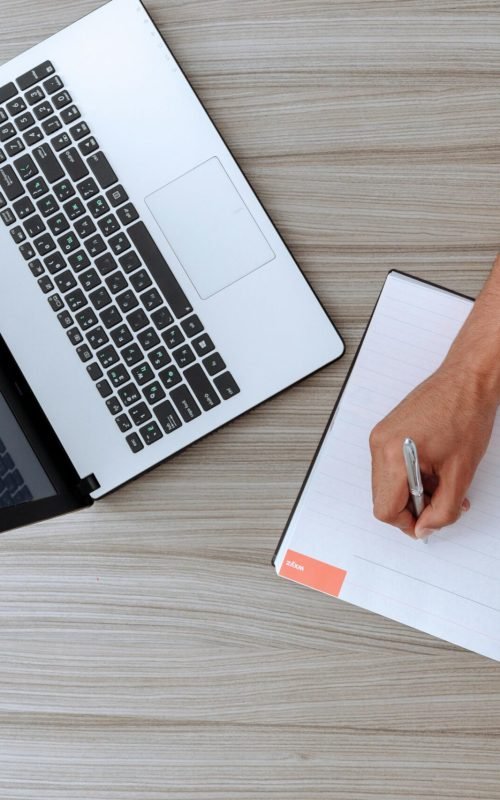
(61, 99)
(55, 262)
(121, 335)
(95, 245)
(140, 280)
(26, 167)
(79, 260)
(44, 244)
(86, 319)
(7, 131)
(76, 300)
(106, 264)
(48, 163)
(75, 336)
(58, 224)
(85, 227)
(202, 388)
(97, 337)
(79, 130)
(143, 373)
(33, 136)
(184, 356)
(56, 302)
(3, 201)
(36, 268)
(140, 414)
(15, 106)
(74, 165)
(34, 226)
(88, 146)
(134, 442)
(119, 243)
(68, 242)
(88, 188)
(109, 225)
(148, 338)
(151, 299)
(74, 209)
(14, 147)
(185, 403)
(123, 423)
(132, 354)
(162, 317)
(118, 375)
(25, 121)
(65, 281)
(51, 126)
(65, 319)
(27, 251)
(116, 282)
(166, 280)
(98, 206)
(3, 116)
(89, 279)
(84, 353)
(117, 195)
(70, 114)
(10, 184)
(45, 70)
(7, 91)
(192, 325)
(37, 188)
(111, 317)
(18, 234)
(43, 110)
(170, 377)
(203, 344)
(151, 433)
(154, 393)
(45, 284)
(8, 216)
(100, 298)
(167, 416)
(94, 371)
(60, 142)
(137, 320)
(214, 363)
(53, 84)
(47, 205)
(159, 357)
(102, 170)
(173, 337)
(104, 388)
(130, 261)
(34, 96)
(127, 301)
(226, 385)
(129, 394)
(114, 405)
(108, 356)
(127, 214)
(64, 190)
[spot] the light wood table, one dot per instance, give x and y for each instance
(147, 650)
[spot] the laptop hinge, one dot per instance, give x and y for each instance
(88, 485)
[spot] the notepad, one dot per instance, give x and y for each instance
(449, 588)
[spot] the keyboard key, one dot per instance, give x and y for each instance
(45, 284)
(34, 225)
(48, 163)
(60, 142)
(151, 299)
(130, 261)
(119, 243)
(14, 147)
(94, 371)
(24, 207)
(88, 188)
(3, 201)
(89, 279)
(137, 320)
(184, 356)
(47, 205)
(226, 385)
(74, 209)
(34, 96)
(170, 377)
(53, 84)
(106, 264)
(185, 403)
(114, 405)
(140, 280)
(56, 302)
(79, 130)
(76, 300)
(140, 414)
(109, 225)
(74, 165)
(43, 110)
(116, 282)
(27, 80)
(36, 267)
(202, 388)
(68, 243)
(8, 216)
(7, 91)
(65, 319)
(192, 325)
(148, 338)
(97, 337)
(100, 298)
(102, 170)
(51, 126)
(37, 188)
(151, 433)
(104, 388)
(84, 353)
(95, 245)
(44, 244)
(117, 195)
(111, 317)
(173, 337)
(143, 373)
(65, 281)
(33, 136)
(15, 106)
(203, 344)
(159, 358)
(123, 423)
(10, 184)
(61, 99)
(134, 442)
(86, 319)
(127, 301)
(154, 393)
(88, 146)
(58, 224)
(167, 416)
(121, 335)
(127, 214)
(27, 251)
(132, 354)
(118, 375)
(69, 114)
(7, 131)
(3, 116)
(85, 227)
(161, 318)
(214, 363)
(79, 260)
(75, 336)
(108, 356)
(24, 122)
(98, 206)
(18, 234)
(163, 275)
(129, 394)
(64, 190)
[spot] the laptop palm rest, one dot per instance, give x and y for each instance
(209, 228)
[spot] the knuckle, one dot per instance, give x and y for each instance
(383, 513)
(447, 516)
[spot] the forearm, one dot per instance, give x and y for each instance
(475, 353)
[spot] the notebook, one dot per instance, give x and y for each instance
(449, 588)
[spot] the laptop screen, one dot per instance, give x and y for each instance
(22, 477)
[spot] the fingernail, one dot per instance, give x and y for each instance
(424, 533)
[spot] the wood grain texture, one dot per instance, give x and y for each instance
(147, 651)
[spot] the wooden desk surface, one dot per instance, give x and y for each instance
(147, 651)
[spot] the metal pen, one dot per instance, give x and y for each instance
(415, 484)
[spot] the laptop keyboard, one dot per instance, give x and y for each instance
(13, 489)
(114, 295)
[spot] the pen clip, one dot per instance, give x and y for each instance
(413, 468)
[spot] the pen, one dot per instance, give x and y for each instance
(414, 477)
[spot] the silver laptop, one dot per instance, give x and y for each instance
(146, 298)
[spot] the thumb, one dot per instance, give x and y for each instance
(446, 504)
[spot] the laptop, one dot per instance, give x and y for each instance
(146, 298)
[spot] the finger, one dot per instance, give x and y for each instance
(390, 493)
(446, 504)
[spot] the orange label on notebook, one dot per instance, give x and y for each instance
(311, 572)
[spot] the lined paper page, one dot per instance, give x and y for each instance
(449, 588)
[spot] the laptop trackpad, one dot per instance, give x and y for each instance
(209, 227)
